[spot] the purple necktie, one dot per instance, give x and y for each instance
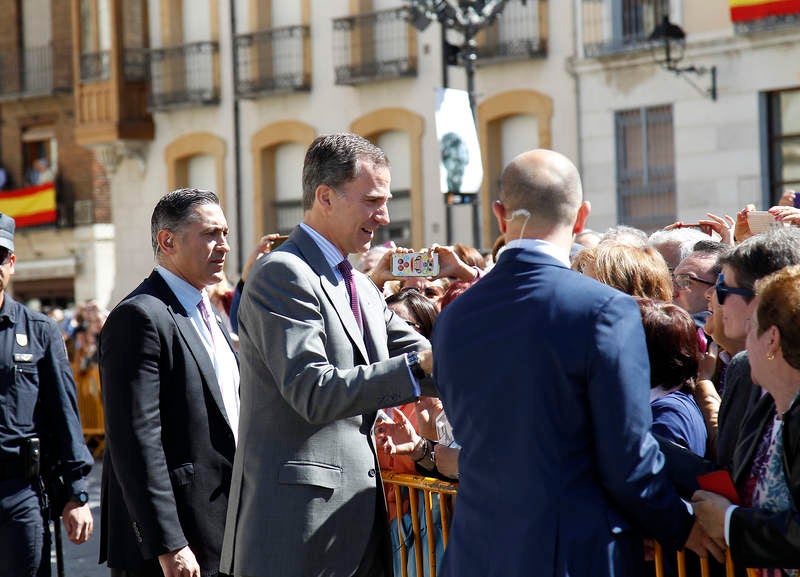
(204, 312)
(347, 274)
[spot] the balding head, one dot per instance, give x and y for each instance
(546, 185)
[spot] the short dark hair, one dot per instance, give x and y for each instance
(419, 306)
(333, 159)
(175, 210)
(762, 254)
(672, 344)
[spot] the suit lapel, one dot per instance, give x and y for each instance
(193, 342)
(334, 290)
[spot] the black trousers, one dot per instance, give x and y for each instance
(22, 534)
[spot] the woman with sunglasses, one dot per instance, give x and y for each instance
(765, 531)
(755, 258)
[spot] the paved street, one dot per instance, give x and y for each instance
(81, 560)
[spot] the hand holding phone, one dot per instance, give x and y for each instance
(760, 220)
(415, 264)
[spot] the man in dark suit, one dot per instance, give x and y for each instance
(170, 393)
(321, 353)
(543, 373)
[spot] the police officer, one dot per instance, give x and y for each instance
(38, 418)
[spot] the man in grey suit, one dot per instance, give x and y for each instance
(320, 354)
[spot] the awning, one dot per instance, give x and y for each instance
(45, 269)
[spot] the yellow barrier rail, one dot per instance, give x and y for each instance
(90, 406)
(446, 493)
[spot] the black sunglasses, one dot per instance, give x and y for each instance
(724, 290)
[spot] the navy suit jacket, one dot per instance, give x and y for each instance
(544, 375)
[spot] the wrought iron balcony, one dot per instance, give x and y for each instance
(34, 72)
(769, 23)
(374, 46)
(614, 26)
(185, 75)
(96, 66)
(273, 61)
(518, 34)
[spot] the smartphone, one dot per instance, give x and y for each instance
(415, 264)
(276, 242)
(760, 221)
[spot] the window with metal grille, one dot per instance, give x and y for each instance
(783, 142)
(645, 167)
(610, 26)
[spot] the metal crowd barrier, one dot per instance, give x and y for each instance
(446, 492)
(430, 488)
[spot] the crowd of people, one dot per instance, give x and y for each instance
(581, 387)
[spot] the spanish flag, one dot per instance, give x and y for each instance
(746, 10)
(30, 206)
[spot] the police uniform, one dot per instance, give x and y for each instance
(37, 400)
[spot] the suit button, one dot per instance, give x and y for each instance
(371, 473)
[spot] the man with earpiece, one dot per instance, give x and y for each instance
(542, 368)
(171, 398)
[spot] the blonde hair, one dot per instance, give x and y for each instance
(638, 271)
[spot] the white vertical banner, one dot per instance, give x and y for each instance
(460, 167)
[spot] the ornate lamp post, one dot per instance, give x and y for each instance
(467, 17)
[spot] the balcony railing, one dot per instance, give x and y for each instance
(613, 26)
(517, 35)
(186, 75)
(271, 61)
(31, 72)
(96, 66)
(374, 46)
(776, 22)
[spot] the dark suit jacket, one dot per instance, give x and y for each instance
(169, 446)
(544, 376)
(738, 398)
(759, 538)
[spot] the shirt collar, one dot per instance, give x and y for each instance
(333, 256)
(539, 245)
(7, 311)
(187, 295)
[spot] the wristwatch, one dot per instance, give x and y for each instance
(412, 359)
(81, 497)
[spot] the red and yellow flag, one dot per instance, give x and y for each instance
(30, 206)
(745, 10)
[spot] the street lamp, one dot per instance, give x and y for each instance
(468, 17)
(672, 39)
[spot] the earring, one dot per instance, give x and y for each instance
(770, 356)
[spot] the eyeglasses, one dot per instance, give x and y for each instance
(682, 281)
(5, 254)
(724, 290)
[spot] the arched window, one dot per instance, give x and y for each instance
(509, 123)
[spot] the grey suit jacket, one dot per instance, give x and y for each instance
(305, 476)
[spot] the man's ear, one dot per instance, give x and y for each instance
(500, 214)
(583, 214)
(166, 241)
(323, 195)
